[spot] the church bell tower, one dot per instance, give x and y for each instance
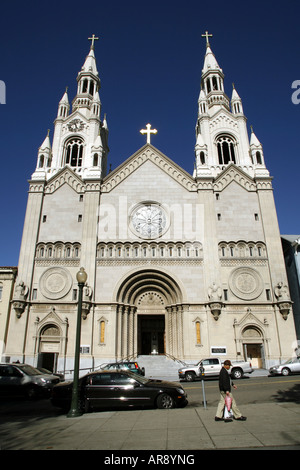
(80, 138)
(221, 128)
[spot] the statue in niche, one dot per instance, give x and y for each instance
(281, 292)
(21, 291)
(214, 293)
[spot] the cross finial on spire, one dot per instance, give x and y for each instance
(93, 39)
(148, 131)
(206, 35)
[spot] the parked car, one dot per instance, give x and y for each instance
(48, 372)
(119, 388)
(210, 367)
(292, 366)
(132, 366)
(23, 379)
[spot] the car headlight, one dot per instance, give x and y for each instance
(180, 390)
(43, 381)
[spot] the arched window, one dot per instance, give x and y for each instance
(198, 332)
(85, 86)
(226, 149)
(95, 159)
(258, 158)
(41, 162)
(74, 151)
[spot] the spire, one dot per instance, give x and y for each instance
(88, 82)
(64, 106)
(212, 81)
(236, 102)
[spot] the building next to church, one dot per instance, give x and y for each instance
(178, 264)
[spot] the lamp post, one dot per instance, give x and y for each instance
(81, 277)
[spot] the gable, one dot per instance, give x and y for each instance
(234, 173)
(65, 176)
(148, 153)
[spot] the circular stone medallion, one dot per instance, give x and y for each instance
(246, 283)
(55, 283)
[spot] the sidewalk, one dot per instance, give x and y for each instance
(269, 426)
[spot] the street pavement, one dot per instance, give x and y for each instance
(185, 432)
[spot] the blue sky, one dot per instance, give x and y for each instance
(149, 57)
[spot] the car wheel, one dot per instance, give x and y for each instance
(285, 371)
(237, 374)
(164, 401)
(190, 376)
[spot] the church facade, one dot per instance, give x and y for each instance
(178, 264)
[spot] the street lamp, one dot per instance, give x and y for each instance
(81, 277)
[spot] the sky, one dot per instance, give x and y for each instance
(149, 57)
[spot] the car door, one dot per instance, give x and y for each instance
(295, 365)
(10, 379)
(99, 390)
(131, 392)
(211, 366)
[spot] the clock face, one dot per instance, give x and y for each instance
(149, 220)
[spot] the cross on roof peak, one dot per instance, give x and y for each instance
(207, 35)
(148, 131)
(93, 39)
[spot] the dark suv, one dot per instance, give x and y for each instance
(132, 366)
(23, 379)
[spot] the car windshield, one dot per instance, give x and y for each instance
(290, 361)
(28, 370)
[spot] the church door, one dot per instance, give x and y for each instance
(151, 334)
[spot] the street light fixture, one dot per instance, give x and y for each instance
(81, 277)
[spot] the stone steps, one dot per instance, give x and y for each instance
(159, 366)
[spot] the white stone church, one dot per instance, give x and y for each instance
(180, 265)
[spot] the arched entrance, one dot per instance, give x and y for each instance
(253, 346)
(49, 347)
(149, 315)
(151, 331)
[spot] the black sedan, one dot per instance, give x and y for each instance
(113, 388)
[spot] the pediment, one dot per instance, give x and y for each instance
(65, 176)
(234, 173)
(145, 154)
(223, 120)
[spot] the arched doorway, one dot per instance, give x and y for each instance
(49, 347)
(151, 331)
(149, 315)
(253, 346)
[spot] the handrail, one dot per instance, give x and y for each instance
(127, 359)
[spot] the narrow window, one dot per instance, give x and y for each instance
(34, 294)
(256, 217)
(80, 218)
(102, 332)
(268, 294)
(74, 295)
(95, 160)
(225, 293)
(219, 216)
(81, 198)
(44, 218)
(198, 333)
(258, 158)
